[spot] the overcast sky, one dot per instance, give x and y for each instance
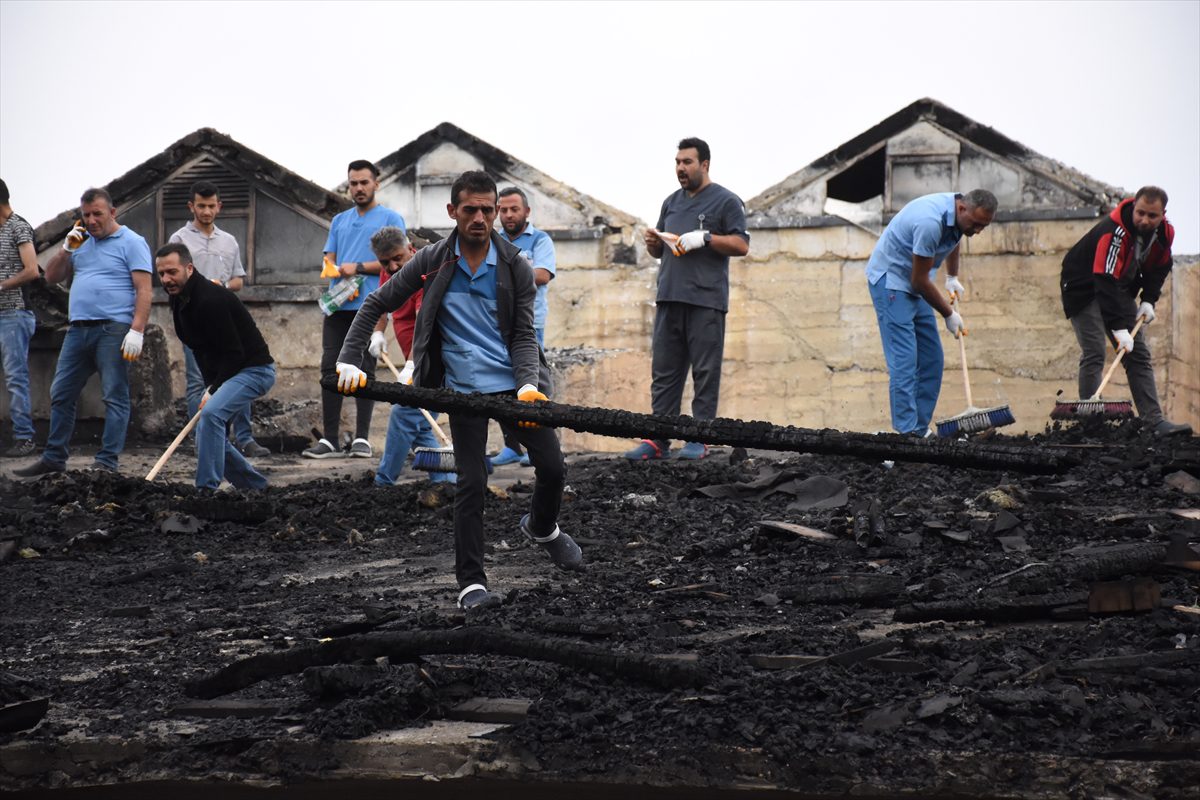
(595, 94)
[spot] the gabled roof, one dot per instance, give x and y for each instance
(1088, 189)
(259, 170)
(500, 163)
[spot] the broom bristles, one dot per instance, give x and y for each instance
(434, 459)
(1110, 409)
(976, 420)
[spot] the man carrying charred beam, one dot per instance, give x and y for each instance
(233, 357)
(474, 333)
(705, 224)
(1126, 253)
(349, 248)
(218, 257)
(109, 267)
(900, 276)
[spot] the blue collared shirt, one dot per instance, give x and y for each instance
(925, 227)
(102, 286)
(474, 353)
(350, 240)
(538, 249)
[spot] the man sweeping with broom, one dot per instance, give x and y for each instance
(900, 274)
(1126, 253)
(474, 333)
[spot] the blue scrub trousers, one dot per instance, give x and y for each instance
(913, 349)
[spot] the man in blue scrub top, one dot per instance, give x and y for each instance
(349, 247)
(900, 275)
(538, 250)
(474, 333)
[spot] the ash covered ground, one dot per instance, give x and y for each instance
(119, 594)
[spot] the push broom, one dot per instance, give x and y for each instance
(973, 420)
(1094, 406)
(428, 459)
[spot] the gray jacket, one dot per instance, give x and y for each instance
(431, 269)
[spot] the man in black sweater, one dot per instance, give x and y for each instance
(233, 358)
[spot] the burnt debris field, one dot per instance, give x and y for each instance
(820, 624)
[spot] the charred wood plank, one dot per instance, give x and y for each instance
(466, 641)
(1112, 563)
(1132, 662)
(864, 589)
(733, 432)
(224, 709)
(490, 709)
(23, 715)
(988, 609)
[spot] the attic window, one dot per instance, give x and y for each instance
(235, 190)
(862, 181)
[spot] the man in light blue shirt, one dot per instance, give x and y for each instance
(349, 249)
(537, 248)
(900, 276)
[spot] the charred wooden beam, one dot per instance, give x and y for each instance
(988, 609)
(1130, 560)
(863, 589)
(466, 641)
(734, 432)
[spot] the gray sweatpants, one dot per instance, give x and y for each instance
(687, 336)
(1094, 338)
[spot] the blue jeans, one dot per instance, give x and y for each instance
(407, 428)
(95, 348)
(913, 351)
(216, 456)
(540, 333)
(16, 329)
(240, 424)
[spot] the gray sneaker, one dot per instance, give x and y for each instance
(1167, 428)
(322, 449)
(20, 449)
(361, 448)
(252, 449)
(561, 548)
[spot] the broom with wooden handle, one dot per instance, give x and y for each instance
(428, 459)
(973, 419)
(162, 460)
(1093, 406)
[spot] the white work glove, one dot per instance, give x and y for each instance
(954, 287)
(350, 378)
(692, 240)
(955, 324)
(377, 345)
(1147, 310)
(131, 348)
(1124, 341)
(406, 374)
(75, 238)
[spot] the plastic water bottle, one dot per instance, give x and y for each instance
(340, 293)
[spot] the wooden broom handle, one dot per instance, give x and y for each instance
(432, 422)
(1117, 360)
(162, 460)
(962, 356)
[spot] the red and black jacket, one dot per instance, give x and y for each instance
(1101, 265)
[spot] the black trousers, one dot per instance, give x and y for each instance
(333, 334)
(470, 454)
(686, 336)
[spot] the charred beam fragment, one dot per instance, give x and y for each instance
(863, 589)
(988, 609)
(640, 667)
(1130, 560)
(734, 432)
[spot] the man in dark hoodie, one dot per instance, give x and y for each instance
(233, 358)
(474, 333)
(1126, 253)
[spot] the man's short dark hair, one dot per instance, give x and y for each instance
(178, 248)
(362, 163)
(981, 199)
(1152, 193)
(472, 181)
(509, 191)
(92, 195)
(3, 193)
(387, 239)
(205, 189)
(701, 147)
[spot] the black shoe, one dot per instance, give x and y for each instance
(20, 449)
(39, 467)
(98, 467)
(477, 597)
(252, 449)
(562, 548)
(1167, 428)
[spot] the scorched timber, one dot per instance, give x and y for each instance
(733, 432)
(665, 673)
